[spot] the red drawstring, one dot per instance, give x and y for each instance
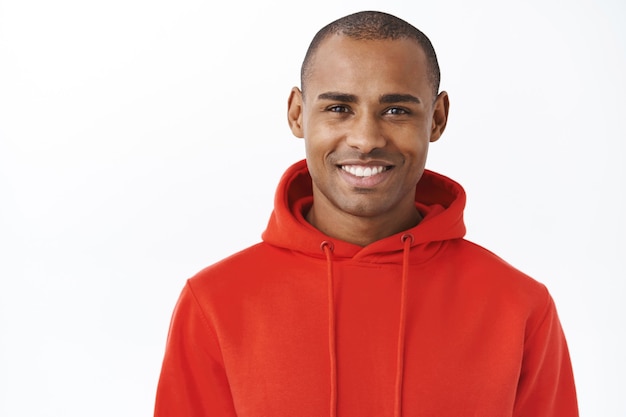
(327, 248)
(407, 240)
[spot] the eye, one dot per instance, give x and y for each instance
(338, 108)
(397, 111)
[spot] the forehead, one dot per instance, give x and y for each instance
(341, 63)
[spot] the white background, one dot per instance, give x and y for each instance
(142, 140)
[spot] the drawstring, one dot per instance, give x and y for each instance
(407, 240)
(327, 248)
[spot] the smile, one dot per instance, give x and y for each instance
(363, 171)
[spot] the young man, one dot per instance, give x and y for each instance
(363, 299)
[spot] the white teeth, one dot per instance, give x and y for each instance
(361, 171)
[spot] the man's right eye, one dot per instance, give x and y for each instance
(338, 109)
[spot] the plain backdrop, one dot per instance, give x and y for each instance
(141, 141)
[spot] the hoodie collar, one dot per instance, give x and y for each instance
(440, 200)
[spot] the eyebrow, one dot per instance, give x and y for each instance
(398, 98)
(334, 96)
(384, 99)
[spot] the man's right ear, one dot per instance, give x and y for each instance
(294, 112)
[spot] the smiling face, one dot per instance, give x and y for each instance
(367, 118)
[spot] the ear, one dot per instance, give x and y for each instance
(294, 112)
(440, 116)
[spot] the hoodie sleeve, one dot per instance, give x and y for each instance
(546, 386)
(193, 380)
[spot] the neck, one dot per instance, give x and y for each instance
(362, 231)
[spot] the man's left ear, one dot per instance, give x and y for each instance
(440, 116)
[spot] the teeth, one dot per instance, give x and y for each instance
(362, 171)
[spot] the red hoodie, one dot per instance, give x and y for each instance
(422, 323)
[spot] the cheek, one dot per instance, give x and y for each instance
(414, 143)
(320, 140)
(312, 145)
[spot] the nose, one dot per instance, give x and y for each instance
(365, 134)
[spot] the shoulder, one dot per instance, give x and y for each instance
(484, 271)
(241, 270)
(242, 261)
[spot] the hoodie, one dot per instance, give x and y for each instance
(422, 323)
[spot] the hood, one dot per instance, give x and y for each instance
(440, 200)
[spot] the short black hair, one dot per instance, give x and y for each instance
(373, 25)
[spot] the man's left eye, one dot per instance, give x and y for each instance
(396, 111)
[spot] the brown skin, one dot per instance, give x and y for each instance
(368, 103)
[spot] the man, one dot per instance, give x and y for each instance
(363, 299)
